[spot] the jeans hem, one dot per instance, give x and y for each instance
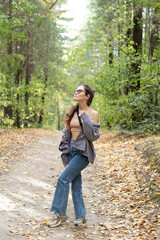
(80, 217)
(52, 210)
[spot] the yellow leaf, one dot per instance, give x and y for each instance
(150, 230)
(28, 233)
(47, 221)
(46, 228)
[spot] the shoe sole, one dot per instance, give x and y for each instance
(80, 224)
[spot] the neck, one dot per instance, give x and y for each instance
(83, 106)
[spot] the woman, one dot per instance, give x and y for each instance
(81, 129)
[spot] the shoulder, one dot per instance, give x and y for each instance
(93, 112)
(94, 115)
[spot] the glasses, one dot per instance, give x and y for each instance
(78, 91)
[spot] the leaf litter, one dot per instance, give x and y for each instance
(121, 189)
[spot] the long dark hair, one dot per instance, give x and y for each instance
(73, 109)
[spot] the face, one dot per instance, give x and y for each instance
(79, 94)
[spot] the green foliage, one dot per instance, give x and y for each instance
(126, 79)
(38, 75)
(31, 50)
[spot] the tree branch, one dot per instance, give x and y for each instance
(3, 6)
(5, 3)
(53, 4)
(2, 10)
(45, 1)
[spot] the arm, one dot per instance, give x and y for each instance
(64, 145)
(90, 127)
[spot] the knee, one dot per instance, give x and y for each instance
(62, 180)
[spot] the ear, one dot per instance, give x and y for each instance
(87, 96)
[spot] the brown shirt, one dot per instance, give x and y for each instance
(75, 126)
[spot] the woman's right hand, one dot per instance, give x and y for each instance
(65, 164)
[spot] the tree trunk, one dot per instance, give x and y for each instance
(154, 37)
(28, 73)
(128, 38)
(157, 110)
(137, 45)
(8, 109)
(18, 120)
(110, 51)
(43, 98)
(45, 79)
(134, 34)
(58, 115)
(17, 77)
(119, 52)
(10, 18)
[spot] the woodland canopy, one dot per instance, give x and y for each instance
(117, 53)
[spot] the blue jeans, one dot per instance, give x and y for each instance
(71, 174)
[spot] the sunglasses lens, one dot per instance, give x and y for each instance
(78, 91)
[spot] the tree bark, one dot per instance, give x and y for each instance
(58, 115)
(134, 34)
(137, 45)
(45, 79)
(43, 98)
(28, 73)
(18, 120)
(8, 109)
(119, 53)
(54, 3)
(128, 38)
(154, 37)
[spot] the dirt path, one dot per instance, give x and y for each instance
(116, 200)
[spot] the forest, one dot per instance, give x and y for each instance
(117, 53)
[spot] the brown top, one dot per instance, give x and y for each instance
(75, 127)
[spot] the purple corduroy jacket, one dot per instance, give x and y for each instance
(84, 140)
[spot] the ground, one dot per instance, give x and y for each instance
(121, 189)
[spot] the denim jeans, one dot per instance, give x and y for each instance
(71, 174)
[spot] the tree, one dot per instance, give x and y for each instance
(114, 52)
(31, 43)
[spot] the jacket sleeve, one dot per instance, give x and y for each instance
(64, 145)
(90, 128)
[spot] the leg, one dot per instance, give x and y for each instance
(59, 204)
(77, 197)
(75, 166)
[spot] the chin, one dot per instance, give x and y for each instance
(75, 99)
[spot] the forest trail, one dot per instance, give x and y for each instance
(117, 197)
